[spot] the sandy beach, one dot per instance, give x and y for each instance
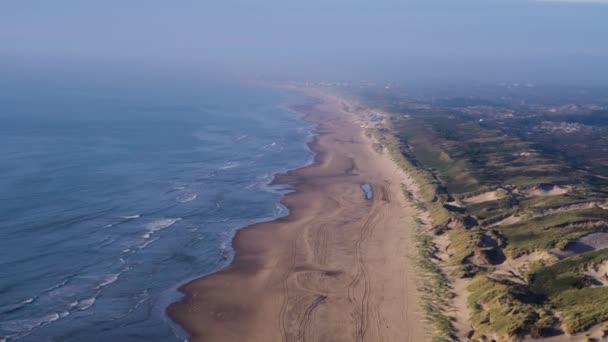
(338, 268)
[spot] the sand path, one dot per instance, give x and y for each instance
(338, 268)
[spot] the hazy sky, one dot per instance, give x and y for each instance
(417, 39)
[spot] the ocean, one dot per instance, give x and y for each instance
(115, 192)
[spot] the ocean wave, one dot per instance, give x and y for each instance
(242, 137)
(187, 197)
(231, 165)
(157, 225)
(224, 249)
(107, 242)
(58, 285)
(23, 327)
(123, 220)
(85, 303)
(175, 189)
(10, 308)
(274, 146)
(107, 280)
(144, 298)
(147, 243)
(49, 291)
(252, 185)
(280, 210)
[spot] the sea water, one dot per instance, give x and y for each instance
(114, 193)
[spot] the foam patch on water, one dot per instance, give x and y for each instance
(16, 306)
(230, 165)
(23, 327)
(187, 197)
(157, 225)
(147, 243)
(281, 210)
(273, 144)
(85, 303)
(107, 280)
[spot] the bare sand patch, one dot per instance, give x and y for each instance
(546, 190)
(598, 274)
(588, 243)
(484, 197)
(578, 206)
(518, 267)
(509, 220)
(461, 313)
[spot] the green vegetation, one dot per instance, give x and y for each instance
(566, 274)
(457, 161)
(550, 231)
(436, 290)
(568, 290)
(506, 309)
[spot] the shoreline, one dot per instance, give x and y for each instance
(294, 278)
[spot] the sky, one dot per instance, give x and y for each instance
(414, 40)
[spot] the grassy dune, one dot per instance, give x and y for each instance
(503, 201)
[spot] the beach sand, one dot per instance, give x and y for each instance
(340, 267)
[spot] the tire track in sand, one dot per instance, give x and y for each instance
(362, 306)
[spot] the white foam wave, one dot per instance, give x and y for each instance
(230, 165)
(224, 251)
(147, 242)
(16, 306)
(85, 303)
(107, 280)
(187, 198)
(58, 285)
(280, 210)
(108, 242)
(130, 217)
(22, 327)
(242, 137)
(157, 225)
(273, 144)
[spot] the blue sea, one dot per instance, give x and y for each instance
(114, 192)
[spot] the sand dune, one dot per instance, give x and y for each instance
(338, 268)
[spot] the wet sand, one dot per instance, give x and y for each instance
(338, 268)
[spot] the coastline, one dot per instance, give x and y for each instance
(337, 267)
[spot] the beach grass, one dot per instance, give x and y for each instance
(451, 159)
